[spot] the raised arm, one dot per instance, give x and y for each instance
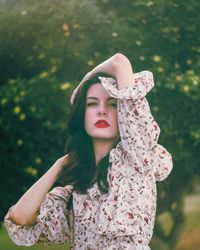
(117, 66)
(25, 211)
(139, 131)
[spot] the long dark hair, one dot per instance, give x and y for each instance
(81, 171)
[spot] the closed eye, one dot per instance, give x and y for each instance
(91, 104)
(113, 104)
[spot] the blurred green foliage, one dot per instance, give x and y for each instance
(46, 48)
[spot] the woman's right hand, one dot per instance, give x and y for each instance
(62, 161)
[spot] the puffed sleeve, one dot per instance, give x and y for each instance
(52, 226)
(139, 132)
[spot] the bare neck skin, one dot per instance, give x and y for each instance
(101, 148)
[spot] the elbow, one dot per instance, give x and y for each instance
(120, 58)
(20, 219)
(120, 62)
(16, 218)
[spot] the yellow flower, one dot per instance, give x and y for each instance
(160, 69)
(196, 134)
(114, 34)
(32, 81)
(189, 61)
(12, 81)
(155, 108)
(38, 160)
(65, 27)
(24, 12)
(186, 88)
(30, 170)
(4, 101)
(65, 86)
(22, 93)
(41, 56)
(76, 26)
(149, 3)
(138, 43)
(22, 117)
(90, 63)
(53, 69)
(195, 82)
(177, 66)
(20, 142)
(67, 33)
(190, 72)
(156, 58)
(44, 74)
(142, 58)
(179, 78)
(17, 109)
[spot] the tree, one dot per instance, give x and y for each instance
(47, 47)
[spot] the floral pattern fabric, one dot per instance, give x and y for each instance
(124, 217)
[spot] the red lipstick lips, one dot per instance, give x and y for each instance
(102, 124)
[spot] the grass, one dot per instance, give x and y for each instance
(190, 239)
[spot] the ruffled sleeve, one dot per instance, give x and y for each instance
(139, 132)
(52, 226)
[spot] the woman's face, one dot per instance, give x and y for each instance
(101, 114)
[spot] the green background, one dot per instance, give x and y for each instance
(47, 46)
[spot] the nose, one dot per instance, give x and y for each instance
(102, 110)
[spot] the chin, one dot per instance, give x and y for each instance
(103, 137)
(103, 134)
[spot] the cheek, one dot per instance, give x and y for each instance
(88, 118)
(115, 117)
(115, 120)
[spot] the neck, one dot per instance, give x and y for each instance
(101, 148)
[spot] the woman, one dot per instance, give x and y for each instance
(110, 171)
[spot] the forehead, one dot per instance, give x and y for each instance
(97, 90)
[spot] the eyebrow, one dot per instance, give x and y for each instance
(95, 98)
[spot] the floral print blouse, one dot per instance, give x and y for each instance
(124, 217)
